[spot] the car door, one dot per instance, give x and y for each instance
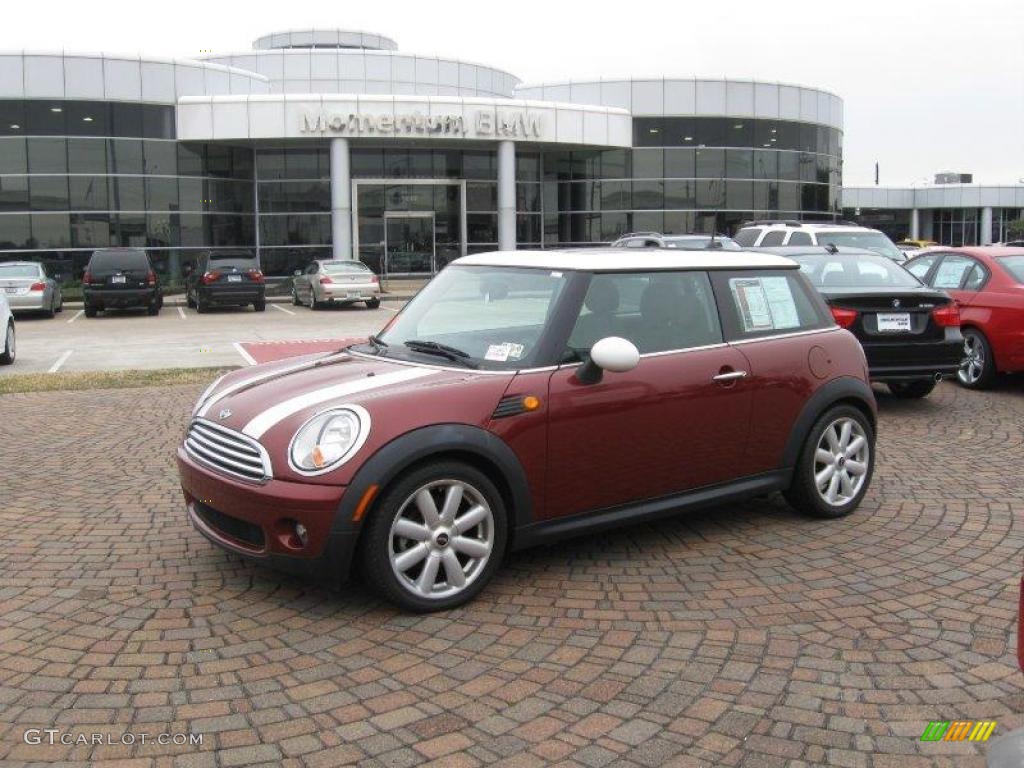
(675, 422)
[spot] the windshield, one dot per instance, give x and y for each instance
(701, 243)
(338, 268)
(19, 270)
(854, 271)
(1015, 266)
(494, 315)
(873, 241)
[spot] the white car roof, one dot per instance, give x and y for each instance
(621, 259)
(815, 226)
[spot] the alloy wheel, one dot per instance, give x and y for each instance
(972, 367)
(441, 539)
(841, 461)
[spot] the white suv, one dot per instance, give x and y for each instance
(773, 233)
(6, 332)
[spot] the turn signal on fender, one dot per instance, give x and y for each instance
(531, 403)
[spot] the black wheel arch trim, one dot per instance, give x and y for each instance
(827, 395)
(413, 447)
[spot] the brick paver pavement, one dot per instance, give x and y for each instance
(739, 636)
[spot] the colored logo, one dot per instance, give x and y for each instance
(958, 730)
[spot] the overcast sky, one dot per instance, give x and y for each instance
(929, 85)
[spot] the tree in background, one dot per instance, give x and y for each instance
(1015, 229)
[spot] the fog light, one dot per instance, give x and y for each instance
(302, 533)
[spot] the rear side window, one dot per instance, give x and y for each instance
(952, 272)
(121, 260)
(800, 238)
(757, 303)
(775, 237)
(747, 237)
(919, 267)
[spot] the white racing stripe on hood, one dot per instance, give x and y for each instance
(208, 404)
(268, 418)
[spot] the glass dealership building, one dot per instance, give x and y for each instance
(332, 143)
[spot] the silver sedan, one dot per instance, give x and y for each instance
(28, 287)
(328, 281)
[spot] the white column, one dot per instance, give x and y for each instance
(985, 236)
(341, 201)
(915, 224)
(507, 195)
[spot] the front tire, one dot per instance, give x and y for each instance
(435, 538)
(978, 369)
(911, 390)
(10, 347)
(835, 465)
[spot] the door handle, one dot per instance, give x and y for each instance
(730, 376)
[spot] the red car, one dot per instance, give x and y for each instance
(528, 396)
(988, 284)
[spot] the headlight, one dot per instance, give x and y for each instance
(328, 439)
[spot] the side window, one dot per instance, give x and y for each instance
(919, 267)
(657, 311)
(747, 237)
(767, 303)
(952, 271)
(635, 243)
(800, 238)
(775, 237)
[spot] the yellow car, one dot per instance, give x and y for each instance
(918, 243)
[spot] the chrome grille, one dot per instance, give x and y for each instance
(228, 451)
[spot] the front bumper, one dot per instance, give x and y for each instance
(120, 298)
(257, 521)
(906, 361)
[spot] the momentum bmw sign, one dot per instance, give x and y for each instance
(517, 124)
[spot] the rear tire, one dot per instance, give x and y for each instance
(90, 311)
(201, 306)
(49, 313)
(373, 303)
(153, 309)
(260, 306)
(911, 390)
(295, 298)
(10, 347)
(832, 475)
(978, 369)
(189, 302)
(447, 555)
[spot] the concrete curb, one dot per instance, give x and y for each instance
(179, 300)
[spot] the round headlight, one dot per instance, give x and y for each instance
(327, 439)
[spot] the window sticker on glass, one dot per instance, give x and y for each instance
(498, 352)
(753, 304)
(780, 302)
(765, 303)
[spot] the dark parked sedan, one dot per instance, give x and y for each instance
(910, 332)
(225, 278)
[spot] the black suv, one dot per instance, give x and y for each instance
(120, 278)
(225, 278)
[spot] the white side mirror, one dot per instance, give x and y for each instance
(612, 353)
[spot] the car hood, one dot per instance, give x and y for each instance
(270, 402)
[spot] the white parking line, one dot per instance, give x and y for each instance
(389, 309)
(75, 316)
(182, 313)
(282, 309)
(60, 361)
(245, 355)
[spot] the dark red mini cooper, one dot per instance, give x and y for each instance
(524, 397)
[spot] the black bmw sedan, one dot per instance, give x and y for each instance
(910, 332)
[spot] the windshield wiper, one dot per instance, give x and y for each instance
(434, 348)
(379, 347)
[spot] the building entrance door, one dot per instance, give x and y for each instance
(409, 245)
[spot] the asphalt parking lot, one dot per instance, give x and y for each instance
(740, 636)
(179, 337)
